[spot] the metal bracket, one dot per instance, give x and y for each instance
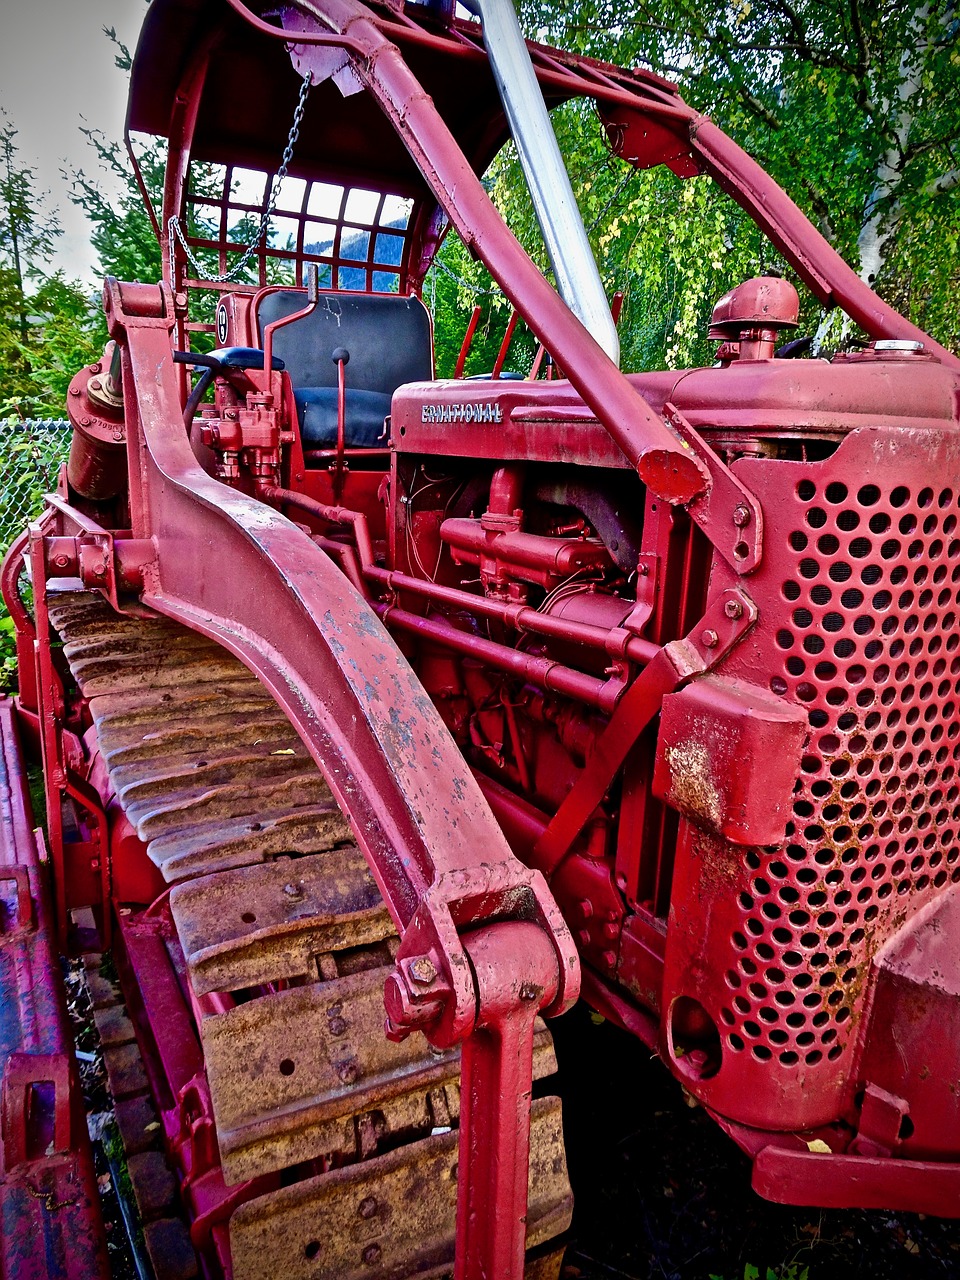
(727, 620)
(23, 921)
(20, 1074)
(726, 511)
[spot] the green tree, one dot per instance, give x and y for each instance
(852, 105)
(46, 324)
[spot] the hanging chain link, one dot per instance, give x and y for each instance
(176, 230)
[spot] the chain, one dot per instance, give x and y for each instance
(176, 230)
(465, 284)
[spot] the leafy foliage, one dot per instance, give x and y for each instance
(47, 329)
(854, 107)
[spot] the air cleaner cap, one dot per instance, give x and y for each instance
(767, 302)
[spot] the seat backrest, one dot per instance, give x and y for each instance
(388, 338)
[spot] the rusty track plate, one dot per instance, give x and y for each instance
(389, 1217)
(286, 1069)
(289, 1072)
(258, 924)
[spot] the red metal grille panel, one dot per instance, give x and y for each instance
(859, 595)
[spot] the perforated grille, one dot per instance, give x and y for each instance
(869, 644)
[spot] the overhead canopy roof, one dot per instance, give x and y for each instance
(250, 92)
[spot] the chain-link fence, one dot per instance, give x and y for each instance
(30, 456)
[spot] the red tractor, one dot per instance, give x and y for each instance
(355, 688)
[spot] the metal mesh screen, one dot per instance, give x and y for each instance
(31, 453)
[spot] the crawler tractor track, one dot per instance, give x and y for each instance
(283, 939)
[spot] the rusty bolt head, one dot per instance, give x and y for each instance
(337, 1026)
(348, 1072)
(371, 1254)
(292, 890)
(530, 991)
(741, 516)
(422, 970)
(368, 1207)
(733, 609)
(709, 639)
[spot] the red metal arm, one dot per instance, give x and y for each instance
(439, 858)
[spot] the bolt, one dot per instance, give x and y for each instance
(74, 391)
(293, 890)
(95, 368)
(584, 937)
(371, 1254)
(368, 1207)
(741, 516)
(337, 1026)
(609, 959)
(643, 571)
(709, 639)
(61, 562)
(529, 991)
(99, 569)
(733, 609)
(348, 1072)
(84, 422)
(117, 434)
(423, 971)
(610, 931)
(585, 907)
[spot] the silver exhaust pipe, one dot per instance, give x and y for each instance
(574, 266)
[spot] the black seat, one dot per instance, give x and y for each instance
(388, 340)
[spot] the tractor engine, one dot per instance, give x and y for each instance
(770, 882)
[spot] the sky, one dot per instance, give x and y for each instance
(57, 73)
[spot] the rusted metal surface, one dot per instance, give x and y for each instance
(393, 1216)
(48, 1188)
(259, 924)
(286, 957)
(209, 790)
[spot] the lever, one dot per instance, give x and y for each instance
(341, 358)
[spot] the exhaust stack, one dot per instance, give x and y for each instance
(568, 248)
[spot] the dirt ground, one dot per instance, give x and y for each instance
(662, 1193)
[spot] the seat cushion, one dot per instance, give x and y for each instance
(365, 412)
